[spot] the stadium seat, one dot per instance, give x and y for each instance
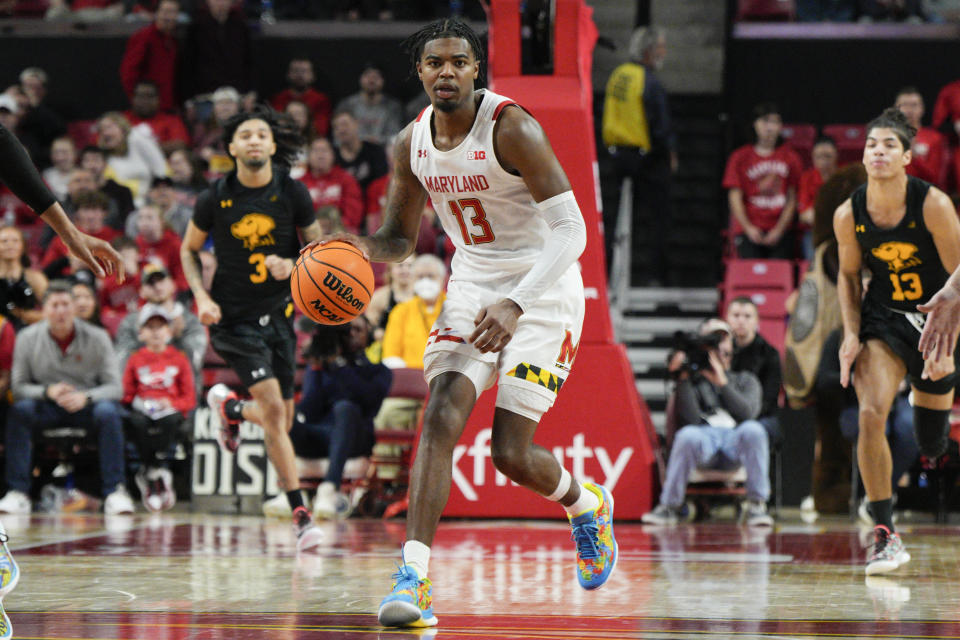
(774, 331)
(766, 10)
(82, 132)
(771, 303)
(801, 137)
(850, 139)
(759, 274)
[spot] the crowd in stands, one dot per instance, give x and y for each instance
(915, 11)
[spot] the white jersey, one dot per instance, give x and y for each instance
(487, 213)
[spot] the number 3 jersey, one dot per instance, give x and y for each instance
(245, 226)
(903, 260)
(487, 213)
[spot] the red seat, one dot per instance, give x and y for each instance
(801, 137)
(229, 377)
(31, 8)
(766, 10)
(850, 139)
(774, 331)
(83, 132)
(759, 274)
(771, 303)
(212, 359)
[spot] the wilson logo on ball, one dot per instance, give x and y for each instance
(343, 291)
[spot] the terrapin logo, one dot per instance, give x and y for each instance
(897, 255)
(254, 229)
(343, 292)
(327, 313)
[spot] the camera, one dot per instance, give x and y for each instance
(697, 347)
(19, 295)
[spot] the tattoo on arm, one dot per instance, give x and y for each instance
(405, 201)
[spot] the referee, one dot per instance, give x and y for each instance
(252, 216)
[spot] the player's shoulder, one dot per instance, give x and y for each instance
(844, 214)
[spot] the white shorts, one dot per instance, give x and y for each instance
(531, 369)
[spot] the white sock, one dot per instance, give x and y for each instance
(587, 501)
(417, 555)
(563, 486)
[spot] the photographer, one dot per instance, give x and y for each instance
(21, 288)
(719, 408)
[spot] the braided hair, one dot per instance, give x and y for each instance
(893, 118)
(445, 28)
(284, 129)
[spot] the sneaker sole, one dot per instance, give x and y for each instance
(311, 539)
(886, 566)
(398, 613)
(616, 547)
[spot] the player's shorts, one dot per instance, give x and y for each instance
(901, 332)
(531, 369)
(260, 349)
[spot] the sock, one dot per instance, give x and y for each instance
(234, 409)
(587, 501)
(295, 498)
(563, 486)
(882, 512)
(417, 555)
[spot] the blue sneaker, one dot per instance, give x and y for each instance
(410, 604)
(9, 571)
(596, 547)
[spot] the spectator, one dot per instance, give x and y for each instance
(21, 288)
(329, 219)
(751, 352)
(94, 160)
(824, 157)
(375, 194)
(208, 136)
(63, 154)
(90, 216)
(158, 389)
(300, 79)
(87, 303)
(379, 116)
(189, 336)
(638, 132)
(9, 112)
(218, 50)
(946, 111)
(929, 155)
(329, 185)
(365, 161)
(299, 114)
(168, 129)
(896, 11)
(152, 54)
(117, 299)
(718, 408)
(37, 125)
(187, 177)
(761, 179)
(175, 213)
(398, 288)
(405, 336)
(7, 340)
(826, 10)
(82, 11)
(133, 157)
(64, 374)
(158, 244)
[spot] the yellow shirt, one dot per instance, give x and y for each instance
(624, 118)
(408, 327)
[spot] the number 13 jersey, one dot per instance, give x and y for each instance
(487, 213)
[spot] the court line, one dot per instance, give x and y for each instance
(78, 538)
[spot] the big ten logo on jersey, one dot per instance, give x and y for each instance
(247, 472)
(568, 351)
(573, 457)
(255, 229)
(476, 155)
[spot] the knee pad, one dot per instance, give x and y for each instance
(931, 428)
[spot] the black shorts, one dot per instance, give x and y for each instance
(259, 349)
(897, 332)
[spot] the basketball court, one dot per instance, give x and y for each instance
(180, 575)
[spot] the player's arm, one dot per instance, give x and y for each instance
(19, 174)
(849, 287)
(939, 337)
(193, 241)
(522, 147)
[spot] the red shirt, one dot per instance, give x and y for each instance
(7, 339)
(151, 55)
(318, 103)
(339, 189)
(165, 251)
(121, 298)
(929, 160)
(764, 180)
(947, 106)
(167, 374)
(166, 127)
(58, 250)
(376, 199)
(810, 183)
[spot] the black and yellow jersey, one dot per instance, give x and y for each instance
(245, 226)
(903, 260)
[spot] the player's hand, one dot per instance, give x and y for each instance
(97, 254)
(208, 310)
(939, 337)
(754, 234)
(72, 401)
(341, 236)
(496, 325)
(936, 368)
(849, 350)
(279, 268)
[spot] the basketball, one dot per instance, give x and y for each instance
(332, 284)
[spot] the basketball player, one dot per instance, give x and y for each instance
(19, 174)
(514, 295)
(252, 215)
(906, 233)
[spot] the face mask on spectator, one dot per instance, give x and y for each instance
(427, 288)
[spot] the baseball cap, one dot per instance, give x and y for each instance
(714, 325)
(150, 311)
(153, 272)
(9, 103)
(226, 93)
(158, 180)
